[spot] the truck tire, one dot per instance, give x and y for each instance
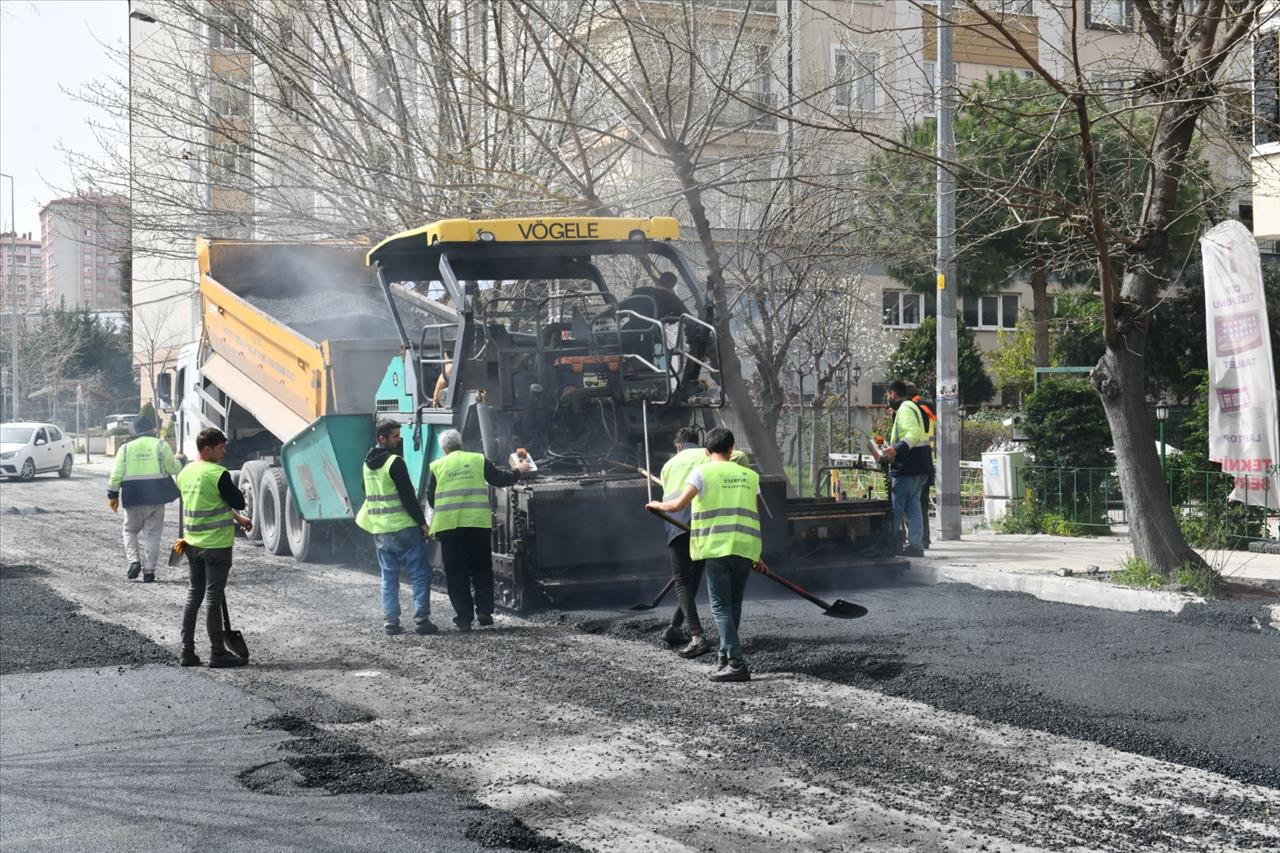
(304, 537)
(271, 512)
(251, 484)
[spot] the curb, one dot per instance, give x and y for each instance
(1085, 593)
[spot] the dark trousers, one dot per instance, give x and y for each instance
(468, 571)
(209, 570)
(687, 573)
(924, 510)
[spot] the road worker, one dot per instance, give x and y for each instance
(142, 481)
(929, 408)
(686, 571)
(726, 535)
(211, 508)
(908, 456)
(457, 490)
(392, 513)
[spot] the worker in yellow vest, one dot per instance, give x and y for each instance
(462, 518)
(392, 513)
(929, 409)
(142, 480)
(211, 508)
(725, 533)
(686, 571)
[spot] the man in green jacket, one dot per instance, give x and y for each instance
(211, 508)
(142, 480)
(910, 460)
(725, 533)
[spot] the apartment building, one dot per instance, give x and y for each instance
(21, 273)
(1265, 159)
(83, 240)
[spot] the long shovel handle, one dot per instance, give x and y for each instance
(794, 587)
(669, 519)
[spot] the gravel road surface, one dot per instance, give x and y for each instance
(948, 719)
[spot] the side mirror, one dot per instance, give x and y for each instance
(40, 441)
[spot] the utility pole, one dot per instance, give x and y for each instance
(948, 396)
(13, 300)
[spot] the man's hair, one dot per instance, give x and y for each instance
(210, 437)
(450, 440)
(898, 387)
(143, 424)
(386, 426)
(912, 390)
(667, 280)
(720, 440)
(687, 436)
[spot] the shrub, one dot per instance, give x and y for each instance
(1135, 571)
(1021, 517)
(1202, 580)
(977, 437)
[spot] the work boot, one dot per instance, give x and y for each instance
(722, 660)
(460, 625)
(392, 629)
(135, 569)
(735, 671)
(426, 626)
(149, 577)
(485, 619)
(913, 552)
(225, 659)
(673, 636)
(697, 647)
(189, 658)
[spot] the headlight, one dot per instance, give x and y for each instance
(9, 455)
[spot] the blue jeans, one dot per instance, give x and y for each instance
(726, 583)
(906, 501)
(404, 549)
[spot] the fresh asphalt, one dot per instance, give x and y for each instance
(574, 721)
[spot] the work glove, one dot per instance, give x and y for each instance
(114, 503)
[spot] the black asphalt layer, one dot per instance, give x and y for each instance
(1198, 689)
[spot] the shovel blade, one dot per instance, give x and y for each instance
(641, 607)
(841, 609)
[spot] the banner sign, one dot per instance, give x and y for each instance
(1244, 430)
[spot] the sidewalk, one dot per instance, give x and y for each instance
(1057, 568)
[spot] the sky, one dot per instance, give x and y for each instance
(47, 46)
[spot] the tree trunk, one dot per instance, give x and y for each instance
(761, 442)
(1153, 528)
(1040, 311)
(816, 451)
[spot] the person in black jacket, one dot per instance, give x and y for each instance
(930, 411)
(911, 462)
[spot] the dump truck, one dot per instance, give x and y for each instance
(580, 343)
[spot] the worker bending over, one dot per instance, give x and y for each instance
(686, 571)
(391, 512)
(457, 490)
(211, 509)
(725, 533)
(142, 480)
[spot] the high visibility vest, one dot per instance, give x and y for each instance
(207, 521)
(382, 511)
(725, 520)
(677, 469)
(462, 496)
(930, 421)
(740, 457)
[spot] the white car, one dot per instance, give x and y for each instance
(27, 449)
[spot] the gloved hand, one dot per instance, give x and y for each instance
(114, 503)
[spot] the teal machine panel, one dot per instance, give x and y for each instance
(323, 466)
(395, 399)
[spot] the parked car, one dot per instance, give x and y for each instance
(120, 422)
(27, 449)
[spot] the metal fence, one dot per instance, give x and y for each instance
(1088, 500)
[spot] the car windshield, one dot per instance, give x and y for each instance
(15, 435)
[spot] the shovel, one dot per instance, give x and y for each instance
(838, 609)
(662, 593)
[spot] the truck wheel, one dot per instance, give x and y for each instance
(251, 484)
(304, 538)
(271, 512)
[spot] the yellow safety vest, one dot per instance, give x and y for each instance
(462, 496)
(382, 511)
(207, 521)
(725, 519)
(677, 469)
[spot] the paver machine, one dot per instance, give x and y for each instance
(565, 343)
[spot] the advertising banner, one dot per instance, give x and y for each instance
(1244, 430)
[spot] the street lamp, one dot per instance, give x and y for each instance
(851, 377)
(1162, 415)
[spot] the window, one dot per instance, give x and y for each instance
(54, 434)
(903, 309)
(1266, 88)
(930, 104)
(230, 164)
(991, 312)
(286, 33)
(855, 75)
(1112, 90)
(879, 393)
(228, 101)
(224, 31)
(1108, 14)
